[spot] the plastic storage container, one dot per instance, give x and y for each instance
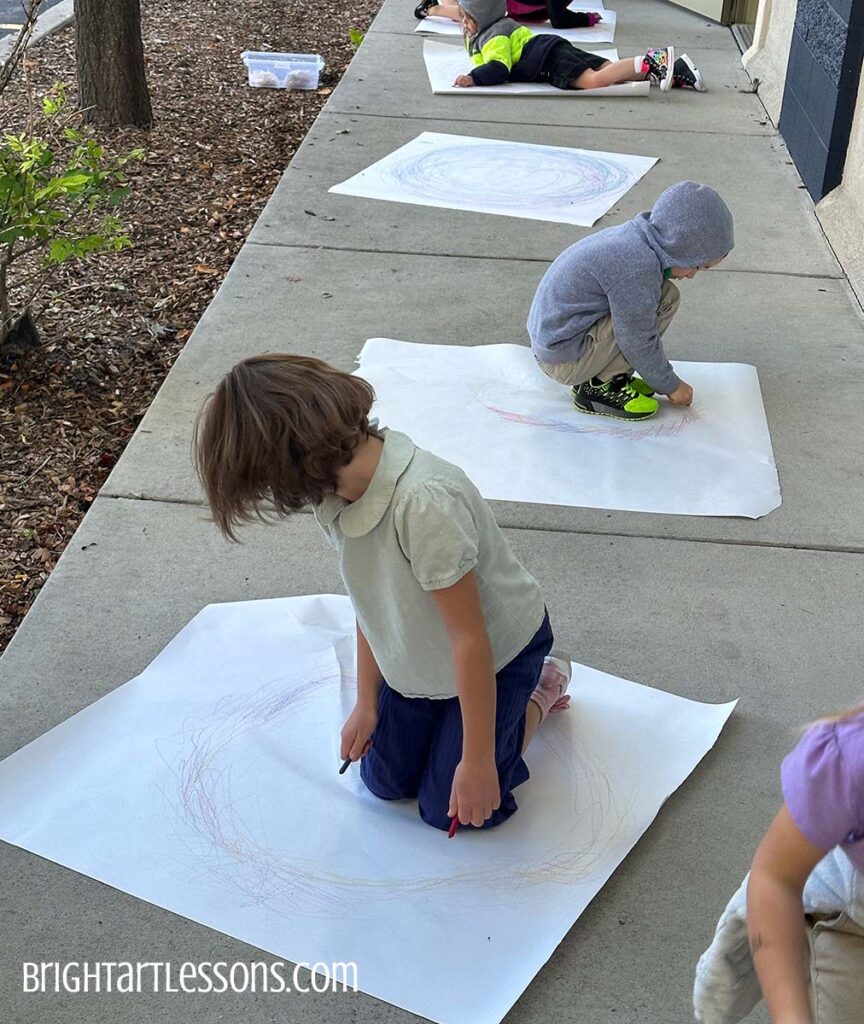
(283, 70)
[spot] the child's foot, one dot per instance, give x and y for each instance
(685, 75)
(657, 66)
(550, 693)
(617, 397)
(422, 9)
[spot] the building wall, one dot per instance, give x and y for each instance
(822, 79)
(767, 58)
(841, 212)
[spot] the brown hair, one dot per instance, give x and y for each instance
(279, 427)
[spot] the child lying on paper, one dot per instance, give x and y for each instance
(503, 51)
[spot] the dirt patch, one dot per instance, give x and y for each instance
(112, 328)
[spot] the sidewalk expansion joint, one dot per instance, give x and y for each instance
(335, 112)
(732, 49)
(132, 496)
(837, 549)
(514, 259)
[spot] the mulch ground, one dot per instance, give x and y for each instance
(112, 327)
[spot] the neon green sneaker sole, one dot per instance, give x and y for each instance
(639, 408)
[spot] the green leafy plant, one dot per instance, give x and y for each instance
(356, 37)
(59, 190)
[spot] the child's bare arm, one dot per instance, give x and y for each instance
(775, 918)
(361, 723)
(476, 792)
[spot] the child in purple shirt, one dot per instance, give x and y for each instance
(823, 790)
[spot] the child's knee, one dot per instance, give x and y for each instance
(584, 81)
(385, 784)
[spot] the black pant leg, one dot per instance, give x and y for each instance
(562, 18)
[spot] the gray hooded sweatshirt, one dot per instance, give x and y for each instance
(620, 271)
(486, 13)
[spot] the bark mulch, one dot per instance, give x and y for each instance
(112, 327)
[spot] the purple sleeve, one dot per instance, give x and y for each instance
(819, 789)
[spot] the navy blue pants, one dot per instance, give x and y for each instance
(417, 744)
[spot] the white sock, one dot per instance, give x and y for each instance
(638, 62)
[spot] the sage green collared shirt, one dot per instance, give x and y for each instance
(421, 526)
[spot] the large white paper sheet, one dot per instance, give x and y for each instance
(445, 62)
(513, 179)
(602, 32)
(208, 785)
(517, 436)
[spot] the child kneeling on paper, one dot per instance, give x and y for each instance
(453, 635)
(601, 308)
(504, 51)
(799, 917)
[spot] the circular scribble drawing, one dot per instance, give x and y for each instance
(208, 799)
(497, 177)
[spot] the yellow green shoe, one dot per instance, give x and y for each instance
(617, 397)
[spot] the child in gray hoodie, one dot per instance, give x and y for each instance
(603, 305)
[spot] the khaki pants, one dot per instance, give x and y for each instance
(836, 952)
(602, 357)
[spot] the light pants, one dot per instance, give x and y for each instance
(602, 358)
(726, 988)
(836, 952)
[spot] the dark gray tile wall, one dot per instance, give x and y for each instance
(821, 88)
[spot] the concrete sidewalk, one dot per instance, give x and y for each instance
(710, 609)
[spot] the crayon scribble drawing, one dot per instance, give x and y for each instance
(515, 179)
(624, 430)
(209, 785)
(207, 796)
(516, 434)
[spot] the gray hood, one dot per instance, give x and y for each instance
(689, 226)
(484, 12)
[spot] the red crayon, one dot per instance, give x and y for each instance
(454, 824)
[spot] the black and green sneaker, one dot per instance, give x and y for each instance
(619, 397)
(642, 386)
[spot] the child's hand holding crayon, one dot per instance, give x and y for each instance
(357, 732)
(682, 395)
(476, 792)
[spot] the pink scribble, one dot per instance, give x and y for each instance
(622, 429)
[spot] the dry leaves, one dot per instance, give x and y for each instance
(112, 328)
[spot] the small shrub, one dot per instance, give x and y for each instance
(59, 190)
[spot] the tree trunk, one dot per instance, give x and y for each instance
(112, 84)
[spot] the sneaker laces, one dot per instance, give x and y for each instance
(616, 384)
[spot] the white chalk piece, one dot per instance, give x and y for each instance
(513, 179)
(209, 786)
(517, 436)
